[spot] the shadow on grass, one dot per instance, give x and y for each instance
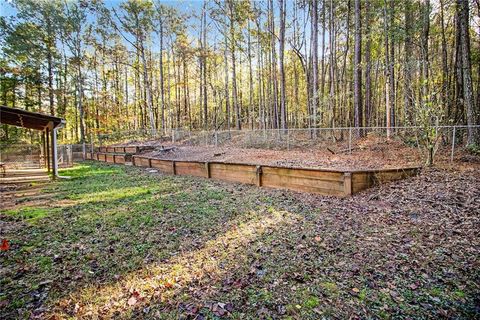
(113, 223)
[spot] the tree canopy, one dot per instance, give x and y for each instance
(216, 65)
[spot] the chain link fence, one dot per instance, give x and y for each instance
(21, 155)
(429, 141)
(32, 155)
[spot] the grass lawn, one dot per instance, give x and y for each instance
(118, 242)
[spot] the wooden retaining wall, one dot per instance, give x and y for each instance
(124, 149)
(242, 173)
(110, 157)
(320, 181)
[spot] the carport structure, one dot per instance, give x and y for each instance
(47, 124)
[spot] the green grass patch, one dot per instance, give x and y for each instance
(30, 214)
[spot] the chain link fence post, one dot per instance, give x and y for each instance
(453, 143)
(350, 140)
(288, 139)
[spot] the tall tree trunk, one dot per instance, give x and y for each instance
(407, 68)
(425, 51)
(261, 88)
(233, 44)
(50, 46)
(283, 103)
(127, 115)
(162, 78)
(445, 87)
(148, 88)
(276, 116)
(388, 78)
(227, 96)
(357, 77)
(368, 66)
(332, 64)
(250, 78)
(204, 65)
(322, 80)
(80, 103)
(389, 66)
(314, 35)
(473, 136)
(169, 92)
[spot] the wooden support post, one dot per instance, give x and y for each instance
(54, 154)
(347, 183)
(207, 169)
(70, 155)
(47, 138)
(174, 170)
(259, 176)
(45, 150)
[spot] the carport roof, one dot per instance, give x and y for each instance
(28, 119)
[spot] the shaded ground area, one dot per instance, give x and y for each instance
(18, 184)
(119, 242)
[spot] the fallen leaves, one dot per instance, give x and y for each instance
(5, 246)
(198, 311)
(132, 301)
(251, 252)
(134, 298)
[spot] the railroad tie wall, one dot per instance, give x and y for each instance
(313, 181)
(141, 161)
(102, 157)
(119, 158)
(110, 157)
(132, 150)
(165, 166)
(325, 182)
(234, 172)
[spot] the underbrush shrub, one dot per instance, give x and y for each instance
(474, 149)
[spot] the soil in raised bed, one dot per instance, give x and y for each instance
(381, 155)
(368, 153)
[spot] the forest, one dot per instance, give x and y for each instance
(143, 65)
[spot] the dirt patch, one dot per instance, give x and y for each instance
(367, 153)
(387, 156)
